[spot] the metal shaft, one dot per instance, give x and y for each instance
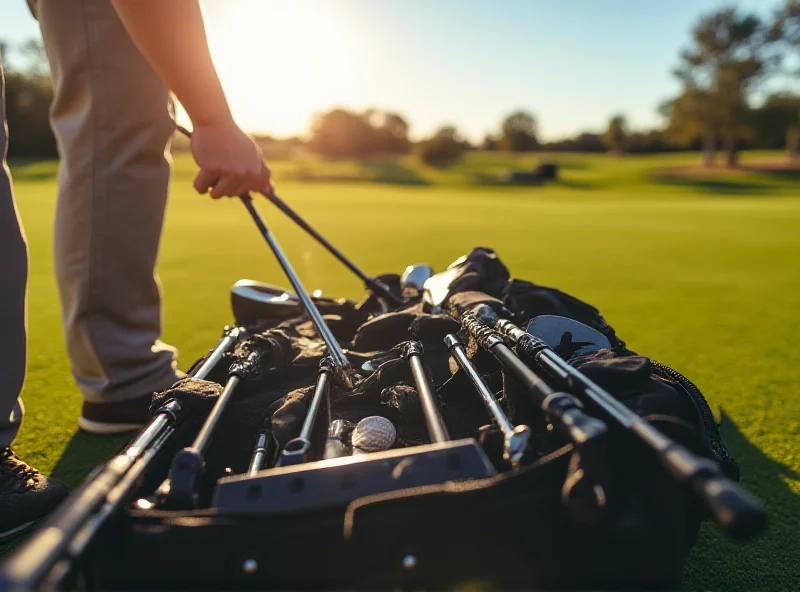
(320, 392)
(433, 419)
(259, 455)
(736, 511)
(343, 371)
(204, 436)
(371, 283)
(459, 353)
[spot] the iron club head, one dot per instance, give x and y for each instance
(252, 300)
(437, 287)
(416, 275)
(567, 337)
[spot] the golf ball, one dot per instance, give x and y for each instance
(373, 434)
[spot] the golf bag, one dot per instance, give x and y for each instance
(560, 518)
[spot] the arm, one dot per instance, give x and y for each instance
(171, 36)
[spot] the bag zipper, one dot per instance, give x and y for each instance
(713, 436)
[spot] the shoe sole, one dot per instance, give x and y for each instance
(106, 429)
(14, 532)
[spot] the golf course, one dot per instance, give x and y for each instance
(696, 268)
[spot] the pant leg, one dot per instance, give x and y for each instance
(13, 281)
(112, 120)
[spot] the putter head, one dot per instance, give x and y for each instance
(567, 337)
(252, 301)
(416, 275)
(437, 287)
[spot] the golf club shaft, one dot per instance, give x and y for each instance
(93, 501)
(376, 286)
(103, 492)
(460, 355)
(433, 420)
(299, 450)
(562, 409)
(259, 455)
(343, 371)
(371, 283)
(229, 338)
(735, 510)
(320, 392)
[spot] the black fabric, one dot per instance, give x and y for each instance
(510, 531)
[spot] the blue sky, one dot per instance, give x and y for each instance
(573, 63)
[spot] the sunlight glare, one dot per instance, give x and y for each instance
(280, 61)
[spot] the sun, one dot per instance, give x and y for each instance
(280, 61)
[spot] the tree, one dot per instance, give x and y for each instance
(691, 117)
(616, 135)
(727, 57)
(28, 97)
(392, 130)
(489, 143)
(340, 133)
(518, 132)
(786, 29)
(778, 123)
(444, 148)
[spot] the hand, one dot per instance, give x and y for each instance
(231, 164)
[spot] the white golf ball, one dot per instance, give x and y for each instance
(373, 434)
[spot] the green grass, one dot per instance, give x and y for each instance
(700, 274)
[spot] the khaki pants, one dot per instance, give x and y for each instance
(112, 118)
(13, 280)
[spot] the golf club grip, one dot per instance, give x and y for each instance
(737, 512)
(26, 569)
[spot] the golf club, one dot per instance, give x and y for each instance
(179, 490)
(433, 420)
(259, 454)
(343, 371)
(298, 450)
(50, 554)
(371, 283)
(515, 439)
(436, 288)
(416, 275)
(733, 509)
(252, 301)
(561, 409)
(567, 337)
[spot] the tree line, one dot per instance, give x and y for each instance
(731, 56)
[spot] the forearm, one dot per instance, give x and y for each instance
(171, 36)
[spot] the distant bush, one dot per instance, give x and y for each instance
(443, 149)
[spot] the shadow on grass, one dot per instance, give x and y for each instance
(84, 452)
(768, 563)
(391, 173)
(714, 186)
(385, 172)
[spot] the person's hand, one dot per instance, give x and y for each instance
(231, 164)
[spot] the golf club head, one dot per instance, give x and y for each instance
(252, 301)
(416, 275)
(567, 337)
(436, 288)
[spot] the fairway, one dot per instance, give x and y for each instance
(701, 274)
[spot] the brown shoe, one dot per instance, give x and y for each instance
(115, 417)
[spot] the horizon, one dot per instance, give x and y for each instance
(462, 62)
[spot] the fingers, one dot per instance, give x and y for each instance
(232, 184)
(205, 180)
